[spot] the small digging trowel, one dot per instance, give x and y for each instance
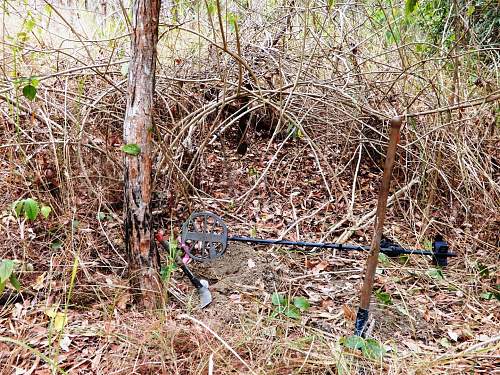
(200, 284)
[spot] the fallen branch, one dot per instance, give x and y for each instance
(487, 99)
(366, 219)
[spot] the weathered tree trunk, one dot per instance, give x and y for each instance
(137, 129)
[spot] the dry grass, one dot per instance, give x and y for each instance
(318, 182)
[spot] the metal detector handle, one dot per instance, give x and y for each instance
(440, 251)
(371, 263)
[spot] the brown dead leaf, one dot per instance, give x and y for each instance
(3, 349)
(325, 303)
(235, 297)
(349, 313)
(427, 314)
(40, 281)
(310, 264)
(97, 359)
(321, 266)
(123, 301)
(42, 371)
(412, 345)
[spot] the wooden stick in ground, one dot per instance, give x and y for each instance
(371, 263)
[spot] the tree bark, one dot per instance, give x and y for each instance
(140, 247)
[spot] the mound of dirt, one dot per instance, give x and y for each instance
(238, 280)
(240, 268)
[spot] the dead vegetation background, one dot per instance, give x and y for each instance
(274, 116)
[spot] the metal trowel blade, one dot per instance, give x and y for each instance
(205, 295)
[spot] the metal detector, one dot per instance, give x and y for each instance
(206, 236)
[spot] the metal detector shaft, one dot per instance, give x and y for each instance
(392, 250)
(372, 261)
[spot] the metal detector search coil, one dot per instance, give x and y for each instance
(205, 234)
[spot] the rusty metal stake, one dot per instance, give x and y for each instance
(372, 261)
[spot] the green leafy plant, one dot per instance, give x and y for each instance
(370, 348)
(131, 149)
(7, 274)
(211, 7)
(384, 259)
(45, 211)
(383, 297)
(29, 92)
(294, 131)
(292, 310)
(483, 270)
(410, 6)
(493, 294)
(29, 86)
(435, 273)
(168, 269)
(166, 272)
(30, 209)
(233, 20)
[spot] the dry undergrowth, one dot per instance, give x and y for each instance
(312, 108)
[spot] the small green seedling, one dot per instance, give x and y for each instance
(483, 270)
(490, 295)
(291, 310)
(403, 259)
(370, 348)
(435, 273)
(101, 216)
(7, 274)
(233, 21)
(252, 171)
(427, 245)
(56, 245)
(168, 269)
(383, 259)
(30, 209)
(294, 131)
(29, 86)
(383, 297)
